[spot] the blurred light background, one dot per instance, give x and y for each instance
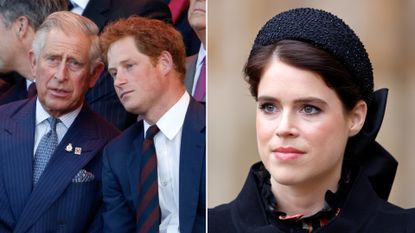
(387, 29)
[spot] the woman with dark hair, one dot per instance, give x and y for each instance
(321, 169)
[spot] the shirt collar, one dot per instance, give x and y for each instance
(176, 115)
(80, 3)
(67, 119)
(201, 55)
(28, 82)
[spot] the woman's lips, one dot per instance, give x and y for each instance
(287, 153)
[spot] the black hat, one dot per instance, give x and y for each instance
(327, 32)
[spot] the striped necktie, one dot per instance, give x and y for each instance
(148, 212)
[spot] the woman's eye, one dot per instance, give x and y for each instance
(268, 107)
(310, 110)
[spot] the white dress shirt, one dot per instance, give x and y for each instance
(167, 143)
(200, 56)
(28, 82)
(79, 6)
(43, 126)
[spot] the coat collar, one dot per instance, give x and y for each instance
(248, 214)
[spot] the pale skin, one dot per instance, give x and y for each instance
(302, 131)
(16, 43)
(197, 19)
(62, 71)
(144, 87)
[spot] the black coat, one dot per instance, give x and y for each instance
(363, 211)
(16, 90)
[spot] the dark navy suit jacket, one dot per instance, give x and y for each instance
(102, 97)
(122, 168)
(17, 89)
(56, 203)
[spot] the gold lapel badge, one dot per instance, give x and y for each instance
(78, 150)
(69, 147)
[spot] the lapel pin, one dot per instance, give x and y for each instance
(78, 150)
(69, 147)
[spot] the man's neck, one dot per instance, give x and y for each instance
(166, 101)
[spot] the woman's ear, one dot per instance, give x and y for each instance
(357, 117)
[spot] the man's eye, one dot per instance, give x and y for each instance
(74, 64)
(129, 66)
(52, 59)
(113, 74)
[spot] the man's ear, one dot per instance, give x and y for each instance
(33, 62)
(165, 62)
(357, 118)
(96, 73)
(21, 26)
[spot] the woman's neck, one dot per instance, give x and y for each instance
(306, 198)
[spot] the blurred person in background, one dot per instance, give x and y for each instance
(196, 64)
(19, 21)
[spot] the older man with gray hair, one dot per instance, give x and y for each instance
(51, 145)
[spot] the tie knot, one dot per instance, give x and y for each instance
(53, 122)
(152, 131)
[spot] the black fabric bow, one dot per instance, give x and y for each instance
(376, 162)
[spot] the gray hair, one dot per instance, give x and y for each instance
(35, 10)
(69, 22)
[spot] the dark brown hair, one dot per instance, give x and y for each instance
(304, 56)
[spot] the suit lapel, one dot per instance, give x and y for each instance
(62, 167)
(192, 160)
(19, 157)
(135, 161)
(190, 72)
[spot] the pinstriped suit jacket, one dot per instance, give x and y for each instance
(122, 169)
(56, 204)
